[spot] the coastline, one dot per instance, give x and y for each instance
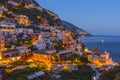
(111, 44)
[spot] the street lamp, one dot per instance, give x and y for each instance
(94, 78)
(1, 56)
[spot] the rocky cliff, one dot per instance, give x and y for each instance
(36, 14)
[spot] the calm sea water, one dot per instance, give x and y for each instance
(104, 43)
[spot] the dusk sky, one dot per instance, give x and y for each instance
(98, 17)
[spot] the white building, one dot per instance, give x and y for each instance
(2, 41)
(1, 10)
(43, 27)
(56, 35)
(40, 44)
(32, 5)
(40, 8)
(106, 57)
(7, 27)
(23, 30)
(36, 75)
(24, 51)
(7, 24)
(11, 2)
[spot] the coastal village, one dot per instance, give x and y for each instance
(42, 48)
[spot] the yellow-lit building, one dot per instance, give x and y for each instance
(86, 49)
(42, 57)
(101, 59)
(30, 6)
(22, 19)
(1, 56)
(12, 2)
(97, 62)
(27, 6)
(106, 57)
(1, 13)
(68, 40)
(39, 17)
(89, 57)
(7, 26)
(2, 42)
(54, 34)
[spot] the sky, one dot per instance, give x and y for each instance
(98, 17)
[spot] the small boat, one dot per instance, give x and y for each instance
(102, 40)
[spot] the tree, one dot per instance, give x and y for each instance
(20, 74)
(117, 76)
(18, 63)
(28, 41)
(84, 72)
(8, 46)
(41, 66)
(84, 59)
(113, 74)
(59, 45)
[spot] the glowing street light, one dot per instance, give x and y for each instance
(1, 56)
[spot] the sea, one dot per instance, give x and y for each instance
(110, 44)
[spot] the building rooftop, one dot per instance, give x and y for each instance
(46, 51)
(37, 74)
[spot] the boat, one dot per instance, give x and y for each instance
(102, 40)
